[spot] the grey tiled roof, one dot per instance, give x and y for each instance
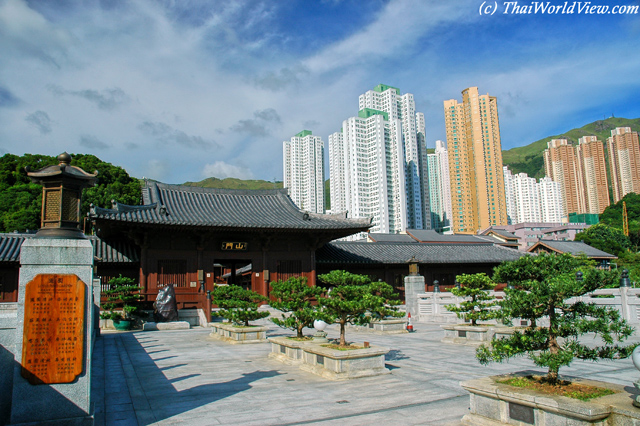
(504, 233)
(400, 238)
(10, 246)
(180, 205)
(575, 248)
(431, 236)
(400, 253)
(103, 252)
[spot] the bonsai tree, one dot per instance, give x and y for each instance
(124, 294)
(238, 305)
(478, 306)
(351, 297)
(543, 285)
(295, 297)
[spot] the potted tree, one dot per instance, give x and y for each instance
(122, 297)
(478, 305)
(238, 306)
(351, 299)
(298, 303)
(546, 292)
(295, 298)
(355, 299)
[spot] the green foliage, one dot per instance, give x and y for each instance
(21, 201)
(235, 183)
(124, 294)
(295, 297)
(605, 238)
(238, 305)
(631, 262)
(612, 216)
(543, 284)
(478, 306)
(354, 299)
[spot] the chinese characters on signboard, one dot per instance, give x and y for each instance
(53, 338)
(234, 246)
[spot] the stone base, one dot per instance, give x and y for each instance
(386, 326)
(173, 325)
(334, 364)
(235, 335)
(329, 363)
(500, 404)
(287, 351)
(471, 335)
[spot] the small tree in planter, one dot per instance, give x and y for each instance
(478, 307)
(295, 297)
(353, 296)
(124, 294)
(237, 305)
(543, 284)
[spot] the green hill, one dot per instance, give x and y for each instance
(234, 183)
(528, 159)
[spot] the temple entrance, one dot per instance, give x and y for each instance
(233, 272)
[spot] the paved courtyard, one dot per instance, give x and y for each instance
(186, 377)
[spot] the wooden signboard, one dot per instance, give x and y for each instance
(53, 339)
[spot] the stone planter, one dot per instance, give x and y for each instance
(385, 326)
(334, 364)
(287, 350)
(235, 334)
(494, 403)
(469, 334)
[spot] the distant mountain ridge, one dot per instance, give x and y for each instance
(529, 159)
(234, 183)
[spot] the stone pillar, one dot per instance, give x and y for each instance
(413, 285)
(54, 334)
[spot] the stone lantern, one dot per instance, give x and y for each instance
(61, 198)
(413, 266)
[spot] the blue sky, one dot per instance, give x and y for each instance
(181, 90)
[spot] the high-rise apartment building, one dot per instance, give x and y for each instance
(581, 172)
(624, 159)
(593, 170)
(475, 162)
(403, 107)
(561, 165)
(551, 203)
(531, 201)
(378, 163)
(372, 182)
(439, 190)
(303, 161)
(441, 152)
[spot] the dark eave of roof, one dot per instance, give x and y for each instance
(338, 252)
(188, 206)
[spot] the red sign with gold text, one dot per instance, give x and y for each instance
(53, 338)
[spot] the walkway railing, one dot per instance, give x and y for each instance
(431, 306)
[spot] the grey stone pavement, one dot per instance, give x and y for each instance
(187, 378)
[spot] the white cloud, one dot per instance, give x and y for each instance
(222, 170)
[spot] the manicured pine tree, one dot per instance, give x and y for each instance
(354, 299)
(478, 306)
(238, 305)
(542, 286)
(295, 298)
